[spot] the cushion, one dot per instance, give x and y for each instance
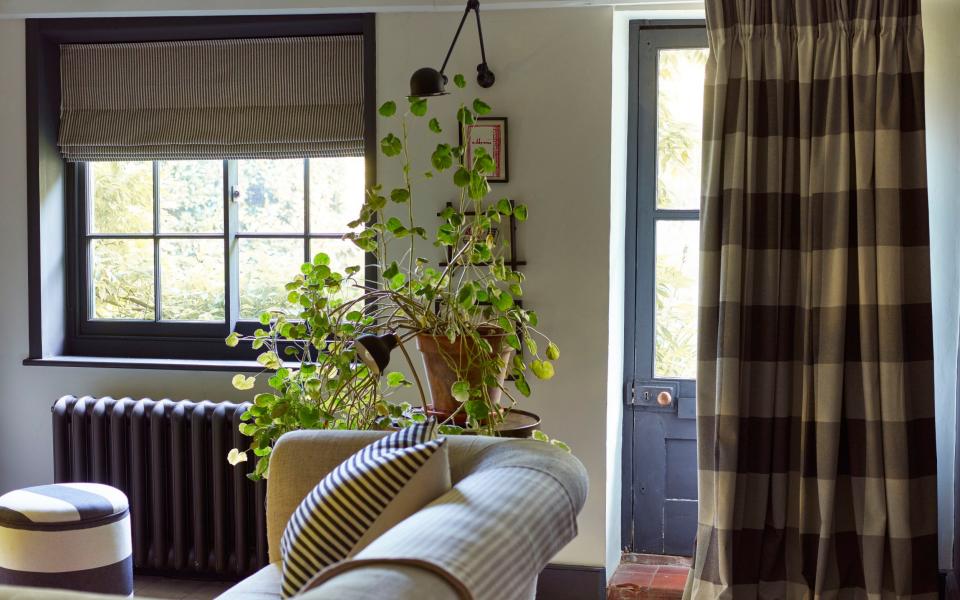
(367, 494)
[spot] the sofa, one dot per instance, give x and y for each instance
(512, 507)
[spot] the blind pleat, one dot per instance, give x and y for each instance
(212, 99)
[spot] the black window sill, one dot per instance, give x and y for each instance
(170, 364)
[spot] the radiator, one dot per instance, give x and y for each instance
(192, 513)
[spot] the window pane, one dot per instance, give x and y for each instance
(679, 126)
(266, 266)
(191, 196)
(122, 197)
(336, 193)
(191, 280)
(122, 279)
(342, 254)
(675, 318)
(271, 195)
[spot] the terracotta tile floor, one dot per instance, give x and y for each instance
(649, 577)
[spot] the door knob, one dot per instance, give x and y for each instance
(664, 398)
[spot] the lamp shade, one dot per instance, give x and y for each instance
(374, 350)
(427, 82)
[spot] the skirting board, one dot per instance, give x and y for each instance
(572, 582)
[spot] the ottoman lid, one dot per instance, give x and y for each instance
(61, 505)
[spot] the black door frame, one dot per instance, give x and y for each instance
(640, 244)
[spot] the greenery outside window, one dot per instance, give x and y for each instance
(198, 247)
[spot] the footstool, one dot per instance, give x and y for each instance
(73, 536)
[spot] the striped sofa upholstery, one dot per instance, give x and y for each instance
(73, 536)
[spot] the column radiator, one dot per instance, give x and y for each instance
(192, 513)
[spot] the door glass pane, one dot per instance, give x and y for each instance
(271, 196)
(191, 196)
(191, 280)
(122, 279)
(342, 254)
(121, 194)
(266, 266)
(336, 193)
(679, 126)
(675, 316)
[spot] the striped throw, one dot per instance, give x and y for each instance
(73, 536)
(370, 492)
(212, 99)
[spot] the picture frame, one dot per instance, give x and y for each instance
(489, 133)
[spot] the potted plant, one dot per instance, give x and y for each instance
(463, 314)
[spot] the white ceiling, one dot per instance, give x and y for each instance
(19, 9)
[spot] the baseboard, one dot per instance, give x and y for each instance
(949, 585)
(572, 582)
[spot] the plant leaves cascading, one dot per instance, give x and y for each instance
(315, 377)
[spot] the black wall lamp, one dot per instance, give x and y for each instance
(430, 82)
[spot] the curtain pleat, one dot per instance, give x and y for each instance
(212, 99)
(817, 459)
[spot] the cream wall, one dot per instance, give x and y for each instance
(941, 19)
(559, 153)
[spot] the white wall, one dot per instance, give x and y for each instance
(941, 19)
(553, 84)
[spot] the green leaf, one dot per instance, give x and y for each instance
(543, 369)
(504, 206)
(264, 318)
(480, 107)
(520, 382)
(400, 195)
(520, 211)
(459, 80)
(460, 390)
(434, 125)
(553, 351)
(394, 225)
(397, 379)
(513, 341)
(232, 340)
(449, 430)
(388, 108)
(418, 106)
(560, 445)
(539, 436)
(442, 157)
(270, 360)
(461, 178)
(391, 145)
(465, 116)
(321, 259)
(242, 382)
(264, 399)
(391, 271)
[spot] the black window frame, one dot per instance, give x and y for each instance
(59, 327)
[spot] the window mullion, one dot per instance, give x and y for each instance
(156, 242)
(306, 210)
(231, 248)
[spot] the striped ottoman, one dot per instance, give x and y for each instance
(74, 536)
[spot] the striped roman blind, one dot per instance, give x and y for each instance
(290, 97)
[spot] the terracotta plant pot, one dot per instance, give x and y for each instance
(439, 354)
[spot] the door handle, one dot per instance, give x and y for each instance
(665, 398)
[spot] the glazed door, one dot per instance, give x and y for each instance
(659, 445)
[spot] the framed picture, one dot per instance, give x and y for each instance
(489, 133)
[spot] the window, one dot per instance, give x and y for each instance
(159, 254)
(168, 242)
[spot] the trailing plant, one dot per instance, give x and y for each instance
(310, 356)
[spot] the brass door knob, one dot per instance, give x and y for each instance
(664, 398)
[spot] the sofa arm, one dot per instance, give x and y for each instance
(488, 537)
(299, 461)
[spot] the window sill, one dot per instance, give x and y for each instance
(170, 364)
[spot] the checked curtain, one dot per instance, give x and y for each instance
(817, 465)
